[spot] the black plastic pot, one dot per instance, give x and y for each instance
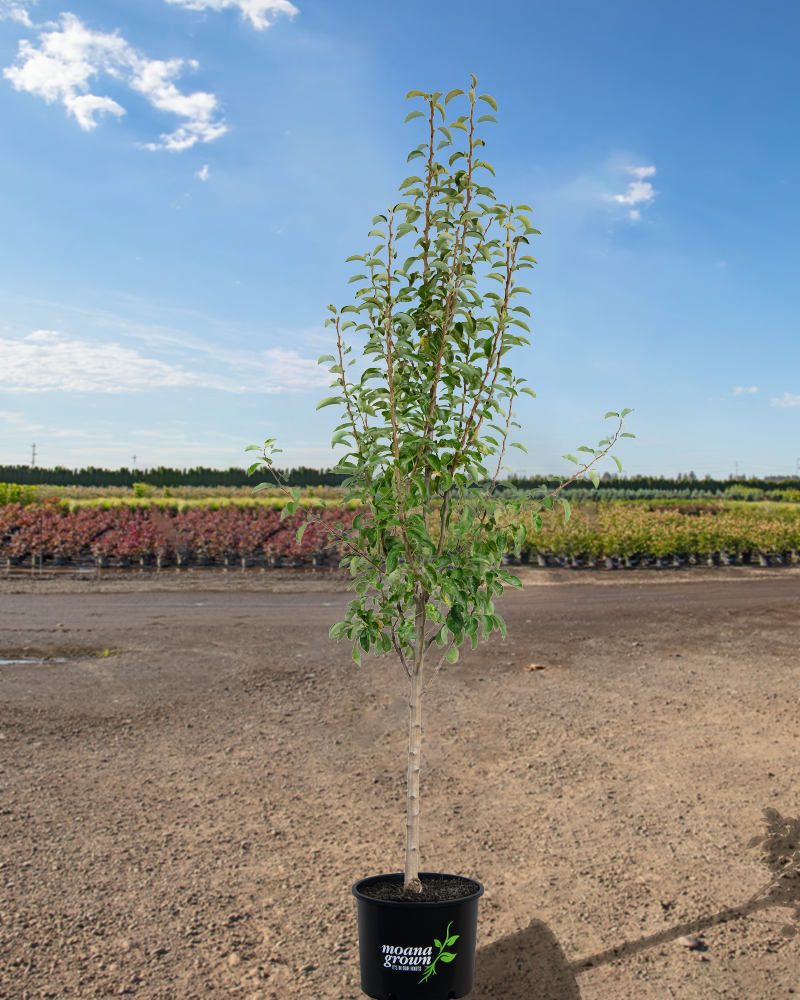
(398, 944)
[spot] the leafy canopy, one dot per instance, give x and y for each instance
(429, 414)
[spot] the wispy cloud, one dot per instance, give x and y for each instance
(787, 400)
(16, 10)
(639, 191)
(203, 173)
(742, 390)
(257, 12)
(46, 361)
(71, 55)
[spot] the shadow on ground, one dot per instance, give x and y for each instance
(528, 965)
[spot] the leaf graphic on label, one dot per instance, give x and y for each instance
(452, 939)
(437, 942)
(447, 956)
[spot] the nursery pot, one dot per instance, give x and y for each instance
(399, 942)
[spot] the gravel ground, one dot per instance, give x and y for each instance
(182, 818)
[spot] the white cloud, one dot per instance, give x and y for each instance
(286, 371)
(16, 10)
(255, 10)
(740, 390)
(46, 361)
(71, 55)
(203, 173)
(787, 400)
(639, 191)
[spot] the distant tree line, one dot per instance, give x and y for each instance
(636, 487)
(161, 476)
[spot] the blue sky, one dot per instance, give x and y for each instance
(182, 181)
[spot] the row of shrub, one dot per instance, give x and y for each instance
(576, 493)
(125, 534)
(219, 534)
(629, 529)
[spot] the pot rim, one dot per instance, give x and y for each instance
(400, 876)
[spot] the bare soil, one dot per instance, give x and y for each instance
(182, 819)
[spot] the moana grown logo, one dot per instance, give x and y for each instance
(419, 959)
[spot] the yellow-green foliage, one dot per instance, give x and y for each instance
(177, 504)
(625, 528)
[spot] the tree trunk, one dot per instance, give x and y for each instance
(412, 882)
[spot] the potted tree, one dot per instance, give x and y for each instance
(426, 419)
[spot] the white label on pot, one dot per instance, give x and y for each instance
(411, 959)
(406, 959)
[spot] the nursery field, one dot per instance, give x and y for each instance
(194, 775)
(232, 532)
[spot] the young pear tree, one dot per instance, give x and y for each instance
(428, 416)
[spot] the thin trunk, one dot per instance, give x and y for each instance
(662, 937)
(412, 882)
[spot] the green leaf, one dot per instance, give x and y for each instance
(530, 392)
(625, 413)
(356, 277)
(619, 464)
(452, 656)
(446, 132)
(447, 956)
(516, 444)
(485, 165)
(610, 414)
(325, 357)
(572, 458)
(409, 180)
(567, 510)
(451, 95)
(376, 232)
(627, 435)
(328, 401)
(300, 530)
(413, 114)
(256, 447)
(452, 939)
(415, 93)
(253, 467)
(584, 448)
(489, 100)
(487, 118)
(356, 256)
(356, 654)
(405, 227)
(413, 155)
(595, 478)
(437, 942)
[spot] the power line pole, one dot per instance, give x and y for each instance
(33, 457)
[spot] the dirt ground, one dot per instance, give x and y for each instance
(183, 818)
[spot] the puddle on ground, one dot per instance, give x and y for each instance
(57, 660)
